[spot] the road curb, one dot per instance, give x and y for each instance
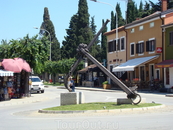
(102, 111)
(17, 102)
(169, 95)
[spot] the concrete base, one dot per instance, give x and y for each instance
(71, 98)
(128, 101)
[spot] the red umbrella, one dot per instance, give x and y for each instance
(26, 67)
(20, 61)
(11, 65)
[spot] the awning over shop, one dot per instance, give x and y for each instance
(6, 73)
(84, 70)
(165, 64)
(131, 64)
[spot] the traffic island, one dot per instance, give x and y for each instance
(100, 107)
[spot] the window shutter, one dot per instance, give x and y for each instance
(143, 47)
(147, 46)
(109, 46)
(132, 49)
(137, 48)
(118, 44)
(122, 44)
(114, 45)
(154, 45)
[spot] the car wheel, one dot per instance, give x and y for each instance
(38, 91)
(42, 91)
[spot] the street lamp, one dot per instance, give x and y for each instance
(49, 37)
(116, 24)
(50, 45)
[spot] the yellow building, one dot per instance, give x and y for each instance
(143, 47)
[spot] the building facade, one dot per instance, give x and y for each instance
(145, 47)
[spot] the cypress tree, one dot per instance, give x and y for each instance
(95, 49)
(83, 31)
(130, 11)
(49, 27)
(140, 11)
(103, 43)
(69, 45)
(121, 20)
(147, 10)
(113, 19)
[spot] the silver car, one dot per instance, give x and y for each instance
(36, 84)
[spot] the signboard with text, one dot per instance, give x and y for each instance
(159, 49)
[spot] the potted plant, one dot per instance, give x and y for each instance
(172, 89)
(106, 85)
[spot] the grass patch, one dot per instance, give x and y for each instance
(52, 84)
(99, 106)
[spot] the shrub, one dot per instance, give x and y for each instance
(105, 82)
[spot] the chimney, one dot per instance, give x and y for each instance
(164, 5)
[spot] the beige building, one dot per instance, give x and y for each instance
(116, 49)
(144, 48)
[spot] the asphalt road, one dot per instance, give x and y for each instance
(23, 115)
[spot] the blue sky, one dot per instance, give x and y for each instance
(19, 17)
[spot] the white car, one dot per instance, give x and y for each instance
(36, 84)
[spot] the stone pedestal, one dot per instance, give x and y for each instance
(128, 101)
(71, 98)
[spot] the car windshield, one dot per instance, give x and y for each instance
(35, 80)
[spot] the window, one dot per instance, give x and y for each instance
(111, 68)
(151, 45)
(140, 48)
(110, 46)
(132, 30)
(118, 47)
(171, 38)
(132, 49)
(151, 24)
(142, 73)
(114, 46)
(141, 27)
(122, 43)
(157, 74)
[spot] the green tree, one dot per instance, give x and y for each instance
(49, 27)
(84, 33)
(140, 11)
(79, 31)
(147, 10)
(113, 20)
(69, 45)
(121, 20)
(103, 43)
(130, 11)
(95, 48)
(33, 50)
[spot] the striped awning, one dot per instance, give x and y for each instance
(6, 73)
(131, 64)
(165, 64)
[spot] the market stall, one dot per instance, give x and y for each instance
(14, 78)
(4, 75)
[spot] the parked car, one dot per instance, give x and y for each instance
(36, 84)
(61, 79)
